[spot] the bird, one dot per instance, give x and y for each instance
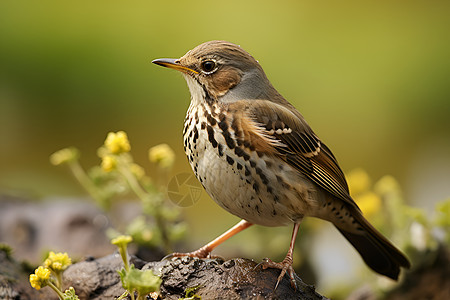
(257, 158)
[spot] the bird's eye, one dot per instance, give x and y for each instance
(208, 66)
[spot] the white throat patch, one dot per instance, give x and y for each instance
(196, 90)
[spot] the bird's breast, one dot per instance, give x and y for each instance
(259, 188)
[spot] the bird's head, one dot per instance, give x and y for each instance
(221, 71)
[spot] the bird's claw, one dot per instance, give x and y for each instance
(284, 266)
(168, 256)
(200, 253)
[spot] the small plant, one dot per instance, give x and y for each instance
(118, 175)
(134, 280)
(6, 249)
(51, 275)
(190, 294)
(418, 234)
(410, 227)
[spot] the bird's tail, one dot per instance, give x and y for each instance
(376, 251)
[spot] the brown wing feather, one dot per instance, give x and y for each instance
(299, 146)
(283, 132)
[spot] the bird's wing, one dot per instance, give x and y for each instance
(292, 139)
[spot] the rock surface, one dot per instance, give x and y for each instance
(427, 281)
(232, 279)
(213, 279)
(216, 279)
(72, 226)
(14, 280)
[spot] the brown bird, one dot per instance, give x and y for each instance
(257, 158)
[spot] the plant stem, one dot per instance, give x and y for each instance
(143, 195)
(132, 182)
(86, 182)
(58, 279)
(123, 295)
(140, 297)
(123, 254)
(60, 294)
(162, 228)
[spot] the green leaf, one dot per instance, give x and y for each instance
(143, 232)
(70, 294)
(143, 282)
(190, 294)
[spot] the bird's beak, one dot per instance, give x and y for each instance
(173, 64)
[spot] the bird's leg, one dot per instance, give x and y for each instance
(286, 264)
(205, 251)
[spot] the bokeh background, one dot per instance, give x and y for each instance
(372, 78)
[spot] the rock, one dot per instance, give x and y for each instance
(76, 227)
(98, 278)
(232, 279)
(430, 280)
(14, 283)
(216, 279)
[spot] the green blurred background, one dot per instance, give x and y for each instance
(371, 77)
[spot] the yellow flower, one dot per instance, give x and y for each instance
(121, 240)
(64, 155)
(370, 203)
(162, 155)
(40, 277)
(57, 261)
(137, 171)
(358, 181)
(117, 143)
(109, 163)
(387, 185)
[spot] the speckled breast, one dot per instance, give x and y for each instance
(253, 186)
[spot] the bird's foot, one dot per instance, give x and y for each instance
(284, 266)
(203, 252)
